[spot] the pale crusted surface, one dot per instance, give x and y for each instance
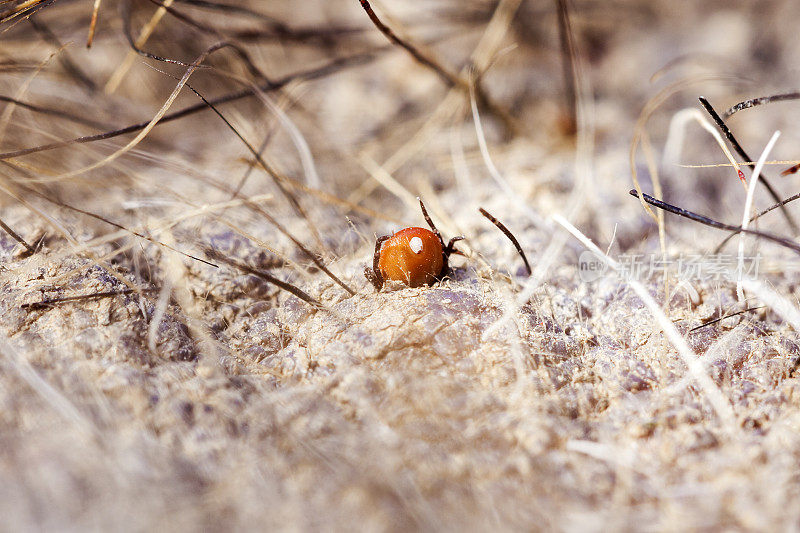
(449, 407)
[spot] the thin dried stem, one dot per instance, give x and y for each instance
(93, 23)
(567, 64)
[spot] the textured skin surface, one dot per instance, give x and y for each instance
(399, 262)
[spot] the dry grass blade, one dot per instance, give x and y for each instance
(93, 23)
(325, 70)
(748, 205)
(150, 125)
(568, 65)
(23, 10)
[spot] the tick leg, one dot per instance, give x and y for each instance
(450, 248)
(446, 252)
(374, 276)
(370, 275)
(430, 222)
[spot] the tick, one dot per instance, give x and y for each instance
(414, 256)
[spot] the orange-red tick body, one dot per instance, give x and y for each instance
(413, 256)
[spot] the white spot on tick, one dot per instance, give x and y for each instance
(415, 244)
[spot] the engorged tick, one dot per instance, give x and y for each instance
(414, 256)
